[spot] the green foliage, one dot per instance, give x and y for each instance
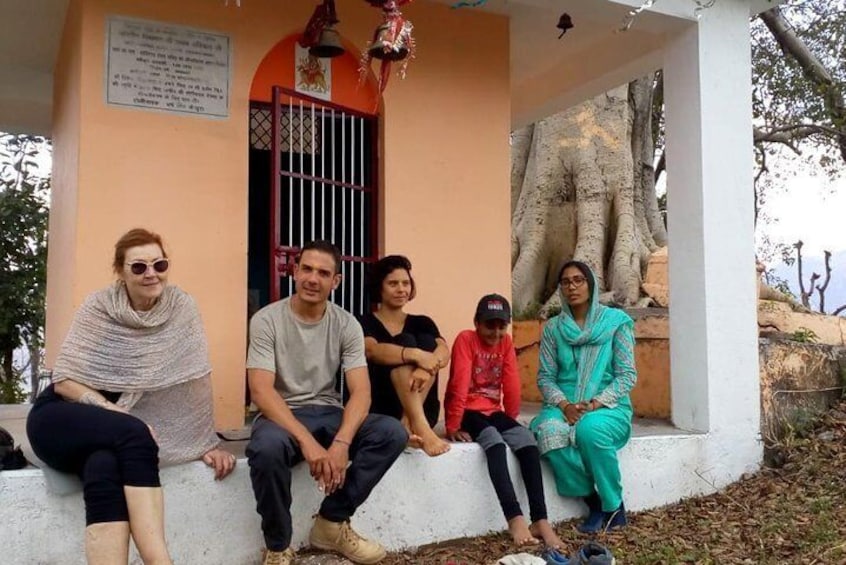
(799, 113)
(11, 390)
(535, 311)
(552, 312)
(23, 248)
(785, 97)
(782, 286)
(799, 423)
(804, 335)
(787, 254)
(530, 312)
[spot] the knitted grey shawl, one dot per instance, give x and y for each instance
(157, 359)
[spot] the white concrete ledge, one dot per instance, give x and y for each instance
(421, 500)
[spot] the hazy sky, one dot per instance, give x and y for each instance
(809, 208)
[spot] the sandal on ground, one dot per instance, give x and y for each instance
(592, 553)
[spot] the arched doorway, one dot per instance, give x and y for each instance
(315, 175)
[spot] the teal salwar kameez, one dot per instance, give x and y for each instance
(578, 364)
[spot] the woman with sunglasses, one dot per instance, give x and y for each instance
(585, 375)
(131, 390)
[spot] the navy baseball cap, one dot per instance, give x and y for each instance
(493, 307)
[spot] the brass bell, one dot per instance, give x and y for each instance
(387, 48)
(329, 44)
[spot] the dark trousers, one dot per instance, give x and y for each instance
(272, 453)
(493, 432)
(106, 449)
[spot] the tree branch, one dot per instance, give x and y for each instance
(813, 69)
(763, 169)
(661, 166)
(797, 130)
(821, 289)
(798, 245)
(789, 134)
(657, 127)
(657, 107)
(805, 295)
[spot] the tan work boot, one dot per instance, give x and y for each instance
(340, 537)
(284, 557)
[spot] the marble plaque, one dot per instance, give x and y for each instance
(161, 66)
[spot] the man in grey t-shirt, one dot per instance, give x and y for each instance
(297, 346)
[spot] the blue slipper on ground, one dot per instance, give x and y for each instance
(592, 553)
(554, 557)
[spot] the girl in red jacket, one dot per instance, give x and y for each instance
(482, 403)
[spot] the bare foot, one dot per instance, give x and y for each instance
(415, 441)
(520, 532)
(543, 529)
(433, 445)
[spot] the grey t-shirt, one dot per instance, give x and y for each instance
(305, 356)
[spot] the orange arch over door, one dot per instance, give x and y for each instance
(278, 69)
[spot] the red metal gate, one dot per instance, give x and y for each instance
(324, 159)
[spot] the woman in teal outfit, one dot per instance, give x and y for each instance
(585, 376)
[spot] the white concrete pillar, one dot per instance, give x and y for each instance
(713, 314)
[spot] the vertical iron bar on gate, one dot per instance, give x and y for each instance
(275, 193)
(349, 176)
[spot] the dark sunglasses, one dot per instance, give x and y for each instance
(140, 267)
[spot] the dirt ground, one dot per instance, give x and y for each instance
(792, 513)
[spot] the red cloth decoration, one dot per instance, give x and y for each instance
(394, 36)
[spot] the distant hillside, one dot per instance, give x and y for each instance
(835, 295)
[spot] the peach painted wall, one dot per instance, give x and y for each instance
(444, 178)
(62, 252)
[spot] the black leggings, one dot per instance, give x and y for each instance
(384, 398)
(106, 449)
